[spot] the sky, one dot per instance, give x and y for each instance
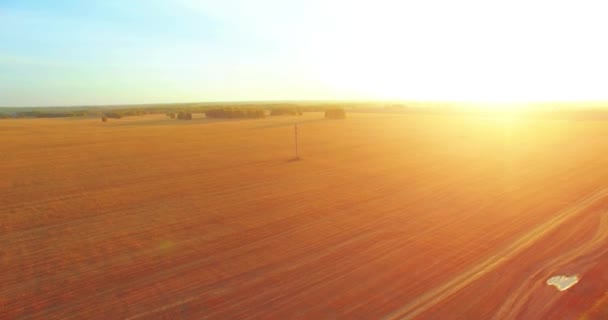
(72, 52)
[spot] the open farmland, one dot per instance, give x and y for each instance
(385, 216)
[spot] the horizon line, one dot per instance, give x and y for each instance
(352, 101)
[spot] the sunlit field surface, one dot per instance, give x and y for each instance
(384, 216)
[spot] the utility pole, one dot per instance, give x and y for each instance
(295, 128)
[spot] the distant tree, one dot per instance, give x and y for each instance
(171, 115)
(184, 115)
(235, 113)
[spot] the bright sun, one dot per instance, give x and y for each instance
(503, 56)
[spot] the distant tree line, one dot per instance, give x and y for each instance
(184, 115)
(113, 115)
(231, 110)
(53, 113)
(285, 111)
(131, 112)
(43, 114)
(235, 113)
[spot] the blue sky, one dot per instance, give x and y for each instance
(86, 52)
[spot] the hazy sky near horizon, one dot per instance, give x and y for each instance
(72, 52)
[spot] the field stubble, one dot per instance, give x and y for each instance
(153, 218)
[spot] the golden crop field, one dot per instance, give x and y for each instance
(390, 216)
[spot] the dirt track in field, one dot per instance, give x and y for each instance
(529, 297)
(524, 292)
(385, 216)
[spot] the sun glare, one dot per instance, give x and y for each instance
(503, 56)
